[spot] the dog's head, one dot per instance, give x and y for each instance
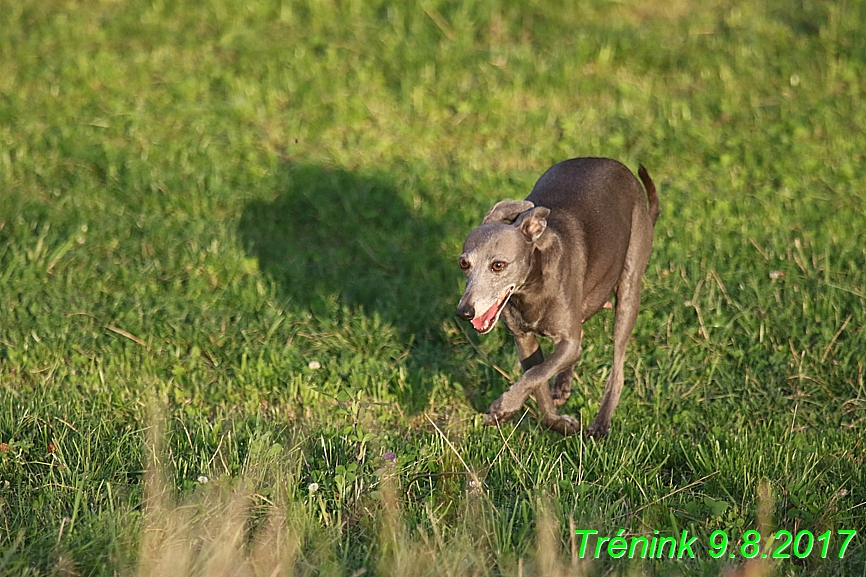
(496, 259)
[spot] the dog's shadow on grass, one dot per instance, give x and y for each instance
(333, 233)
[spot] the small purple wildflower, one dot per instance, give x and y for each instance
(391, 457)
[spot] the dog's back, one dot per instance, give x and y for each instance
(593, 204)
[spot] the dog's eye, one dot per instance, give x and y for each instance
(498, 266)
(464, 264)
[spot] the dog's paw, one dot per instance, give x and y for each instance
(560, 395)
(494, 419)
(498, 414)
(568, 425)
(561, 389)
(489, 420)
(598, 430)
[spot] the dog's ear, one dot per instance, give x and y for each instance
(533, 222)
(506, 211)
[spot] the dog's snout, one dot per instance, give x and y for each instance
(466, 312)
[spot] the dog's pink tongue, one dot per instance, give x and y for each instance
(482, 321)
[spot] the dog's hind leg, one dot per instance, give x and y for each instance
(627, 306)
(626, 315)
(561, 389)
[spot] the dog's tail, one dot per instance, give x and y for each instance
(650, 193)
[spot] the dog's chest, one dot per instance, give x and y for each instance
(521, 317)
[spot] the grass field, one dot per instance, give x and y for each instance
(228, 243)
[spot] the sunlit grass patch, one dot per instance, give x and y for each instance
(251, 212)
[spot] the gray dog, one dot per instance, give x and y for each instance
(548, 263)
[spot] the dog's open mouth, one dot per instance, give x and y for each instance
(485, 322)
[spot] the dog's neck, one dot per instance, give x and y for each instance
(544, 257)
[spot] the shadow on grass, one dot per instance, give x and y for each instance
(336, 234)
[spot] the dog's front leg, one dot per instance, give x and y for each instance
(565, 355)
(528, 351)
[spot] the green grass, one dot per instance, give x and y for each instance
(198, 200)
